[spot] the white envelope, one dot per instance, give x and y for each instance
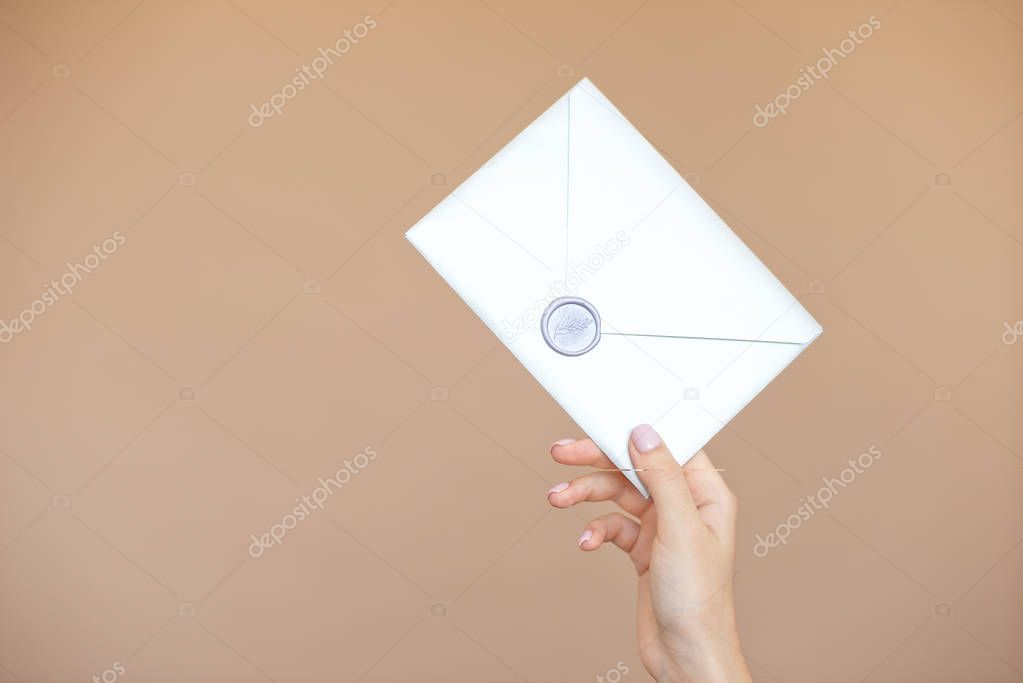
(686, 325)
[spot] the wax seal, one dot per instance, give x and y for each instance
(570, 326)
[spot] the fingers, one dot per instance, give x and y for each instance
(599, 486)
(583, 452)
(664, 479)
(610, 528)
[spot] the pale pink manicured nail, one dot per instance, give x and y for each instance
(558, 488)
(644, 438)
(587, 535)
(564, 442)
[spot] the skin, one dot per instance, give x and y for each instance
(682, 543)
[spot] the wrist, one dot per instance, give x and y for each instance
(706, 670)
(712, 657)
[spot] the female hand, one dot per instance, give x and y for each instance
(682, 543)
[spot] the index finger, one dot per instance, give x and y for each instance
(583, 452)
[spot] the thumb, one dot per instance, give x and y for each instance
(663, 478)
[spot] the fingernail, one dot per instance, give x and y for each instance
(563, 442)
(645, 439)
(587, 535)
(558, 488)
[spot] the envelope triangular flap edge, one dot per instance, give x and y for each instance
(694, 277)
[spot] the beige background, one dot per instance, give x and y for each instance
(266, 320)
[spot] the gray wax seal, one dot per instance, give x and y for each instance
(570, 326)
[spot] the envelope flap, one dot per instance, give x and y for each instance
(680, 271)
(688, 275)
